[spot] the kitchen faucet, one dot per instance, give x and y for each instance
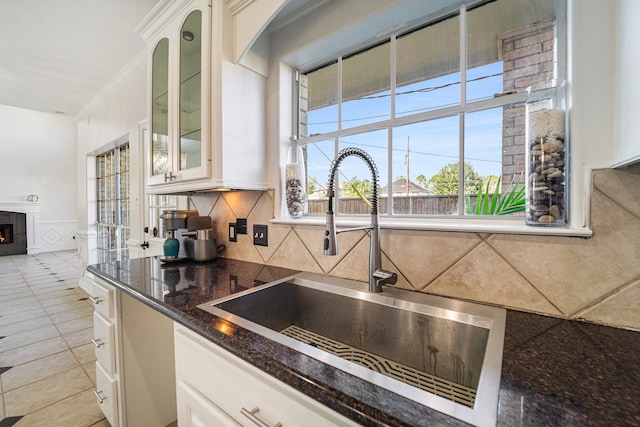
(377, 276)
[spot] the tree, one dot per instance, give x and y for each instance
(445, 182)
(422, 181)
(355, 185)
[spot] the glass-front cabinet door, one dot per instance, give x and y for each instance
(190, 92)
(179, 146)
(160, 110)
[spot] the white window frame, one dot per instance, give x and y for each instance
(578, 218)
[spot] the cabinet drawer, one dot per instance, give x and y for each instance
(103, 340)
(103, 298)
(244, 392)
(106, 395)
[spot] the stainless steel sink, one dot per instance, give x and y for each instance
(442, 353)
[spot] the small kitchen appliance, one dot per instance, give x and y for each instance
(173, 220)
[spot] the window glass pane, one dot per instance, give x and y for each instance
(319, 101)
(428, 153)
(428, 68)
(521, 34)
(354, 175)
(365, 87)
(319, 157)
(494, 160)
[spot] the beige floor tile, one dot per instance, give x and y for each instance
(29, 337)
(80, 410)
(90, 369)
(85, 353)
(26, 325)
(78, 338)
(10, 309)
(69, 297)
(47, 391)
(75, 324)
(9, 319)
(103, 423)
(68, 306)
(33, 351)
(65, 316)
(38, 369)
(14, 294)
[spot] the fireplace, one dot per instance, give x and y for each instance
(13, 233)
(6, 234)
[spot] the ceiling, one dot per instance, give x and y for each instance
(55, 55)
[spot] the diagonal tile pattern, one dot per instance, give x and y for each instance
(46, 367)
(596, 279)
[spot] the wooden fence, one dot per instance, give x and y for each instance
(402, 205)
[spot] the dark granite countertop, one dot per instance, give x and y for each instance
(554, 372)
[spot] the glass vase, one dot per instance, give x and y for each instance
(546, 155)
(295, 182)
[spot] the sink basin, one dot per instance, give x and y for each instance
(439, 352)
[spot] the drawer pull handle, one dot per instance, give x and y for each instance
(96, 342)
(95, 300)
(96, 393)
(256, 419)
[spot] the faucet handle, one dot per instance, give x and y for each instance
(384, 277)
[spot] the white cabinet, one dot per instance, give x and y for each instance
(106, 348)
(134, 359)
(206, 114)
(215, 388)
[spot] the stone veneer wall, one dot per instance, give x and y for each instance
(595, 279)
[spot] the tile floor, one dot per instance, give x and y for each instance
(47, 370)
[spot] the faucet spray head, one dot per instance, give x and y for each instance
(330, 234)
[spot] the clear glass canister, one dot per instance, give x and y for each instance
(295, 182)
(547, 160)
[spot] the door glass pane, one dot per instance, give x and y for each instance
(428, 68)
(190, 91)
(365, 87)
(160, 109)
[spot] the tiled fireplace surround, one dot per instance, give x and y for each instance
(595, 279)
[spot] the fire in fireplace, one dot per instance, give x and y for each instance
(6, 233)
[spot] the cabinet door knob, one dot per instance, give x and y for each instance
(97, 342)
(256, 419)
(96, 393)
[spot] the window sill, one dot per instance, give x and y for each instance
(468, 225)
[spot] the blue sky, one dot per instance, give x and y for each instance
(432, 145)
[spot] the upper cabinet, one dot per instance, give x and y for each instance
(207, 114)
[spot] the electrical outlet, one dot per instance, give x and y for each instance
(233, 237)
(241, 225)
(260, 235)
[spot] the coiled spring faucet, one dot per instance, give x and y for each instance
(377, 276)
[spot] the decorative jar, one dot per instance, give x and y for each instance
(546, 159)
(295, 182)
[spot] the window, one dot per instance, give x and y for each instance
(113, 203)
(440, 109)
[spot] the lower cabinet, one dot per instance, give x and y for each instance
(135, 377)
(216, 388)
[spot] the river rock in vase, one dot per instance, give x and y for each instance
(546, 166)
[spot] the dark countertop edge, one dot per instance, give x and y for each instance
(362, 402)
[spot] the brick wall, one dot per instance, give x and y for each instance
(528, 59)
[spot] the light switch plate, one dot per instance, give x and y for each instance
(260, 237)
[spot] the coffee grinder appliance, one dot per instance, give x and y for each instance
(173, 220)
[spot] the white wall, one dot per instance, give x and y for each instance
(38, 156)
(114, 116)
(627, 83)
